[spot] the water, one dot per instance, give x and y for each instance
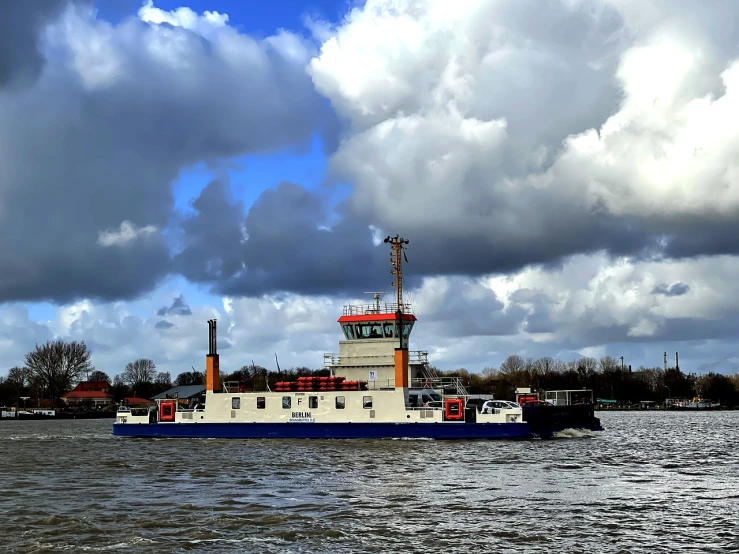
(652, 482)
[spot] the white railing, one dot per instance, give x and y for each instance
(381, 384)
(369, 309)
(445, 383)
(414, 357)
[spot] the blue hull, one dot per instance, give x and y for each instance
(331, 430)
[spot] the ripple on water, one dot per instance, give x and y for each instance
(652, 482)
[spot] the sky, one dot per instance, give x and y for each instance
(565, 171)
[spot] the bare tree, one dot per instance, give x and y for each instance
(544, 366)
(490, 372)
(17, 380)
(512, 365)
(57, 364)
(607, 363)
(139, 373)
(98, 375)
(17, 377)
(189, 378)
(163, 380)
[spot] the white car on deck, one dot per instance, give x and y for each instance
(495, 406)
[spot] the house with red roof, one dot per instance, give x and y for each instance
(136, 401)
(98, 393)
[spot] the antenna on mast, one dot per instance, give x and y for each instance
(376, 296)
(396, 261)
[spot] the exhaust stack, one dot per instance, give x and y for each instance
(212, 366)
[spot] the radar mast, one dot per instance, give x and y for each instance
(397, 255)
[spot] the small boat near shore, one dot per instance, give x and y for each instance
(377, 388)
(697, 403)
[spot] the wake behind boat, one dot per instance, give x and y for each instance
(377, 389)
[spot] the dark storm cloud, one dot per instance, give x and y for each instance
(163, 324)
(101, 136)
(691, 237)
(588, 331)
(178, 307)
(542, 236)
(104, 132)
(21, 23)
(212, 238)
(470, 309)
(278, 246)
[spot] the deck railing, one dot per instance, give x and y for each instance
(452, 384)
(383, 308)
(381, 384)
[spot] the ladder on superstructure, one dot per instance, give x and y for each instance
(434, 377)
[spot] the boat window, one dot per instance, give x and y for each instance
(388, 328)
(369, 331)
(340, 402)
(349, 332)
(407, 329)
(235, 403)
(313, 402)
(367, 402)
(260, 402)
(286, 402)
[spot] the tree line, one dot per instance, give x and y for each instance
(55, 367)
(605, 376)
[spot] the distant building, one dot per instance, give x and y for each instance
(187, 392)
(135, 401)
(96, 392)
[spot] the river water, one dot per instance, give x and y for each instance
(651, 482)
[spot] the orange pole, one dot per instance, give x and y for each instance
(401, 368)
(212, 373)
(212, 364)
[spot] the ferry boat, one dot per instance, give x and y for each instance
(697, 403)
(377, 389)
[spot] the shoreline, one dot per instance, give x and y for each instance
(655, 409)
(63, 415)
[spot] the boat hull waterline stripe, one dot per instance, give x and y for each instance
(445, 431)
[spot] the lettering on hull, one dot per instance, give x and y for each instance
(301, 417)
